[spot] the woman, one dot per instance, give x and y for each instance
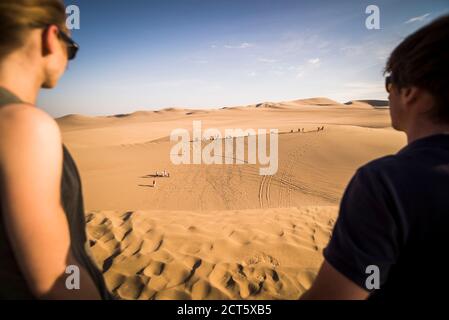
(42, 226)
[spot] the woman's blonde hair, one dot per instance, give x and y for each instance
(17, 17)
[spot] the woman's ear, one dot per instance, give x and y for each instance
(50, 40)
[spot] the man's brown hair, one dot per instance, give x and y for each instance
(422, 60)
(19, 16)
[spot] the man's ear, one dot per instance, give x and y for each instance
(50, 40)
(409, 95)
(417, 98)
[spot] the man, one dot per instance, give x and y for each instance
(391, 237)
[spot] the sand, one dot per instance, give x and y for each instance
(220, 231)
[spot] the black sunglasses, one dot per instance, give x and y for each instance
(388, 83)
(72, 46)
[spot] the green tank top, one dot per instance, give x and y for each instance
(12, 282)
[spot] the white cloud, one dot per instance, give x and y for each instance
(300, 75)
(279, 72)
(304, 41)
(361, 91)
(365, 89)
(352, 50)
(243, 45)
(368, 51)
(252, 74)
(314, 61)
(300, 71)
(418, 19)
(265, 60)
(305, 69)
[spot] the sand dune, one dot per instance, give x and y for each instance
(253, 254)
(317, 102)
(368, 103)
(220, 231)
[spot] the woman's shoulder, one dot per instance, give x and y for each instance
(23, 110)
(25, 115)
(25, 124)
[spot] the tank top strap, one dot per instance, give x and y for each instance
(7, 97)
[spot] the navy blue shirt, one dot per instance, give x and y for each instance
(394, 215)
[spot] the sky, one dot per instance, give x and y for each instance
(149, 55)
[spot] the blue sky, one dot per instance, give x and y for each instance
(145, 54)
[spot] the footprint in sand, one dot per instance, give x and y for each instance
(122, 231)
(240, 237)
(261, 258)
(132, 287)
(244, 282)
(221, 278)
(130, 266)
(155, 268)
(176, 273)
(157, 283)
(113, 279)
(200, 290)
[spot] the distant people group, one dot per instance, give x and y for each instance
(163, 174)
(302, 130)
